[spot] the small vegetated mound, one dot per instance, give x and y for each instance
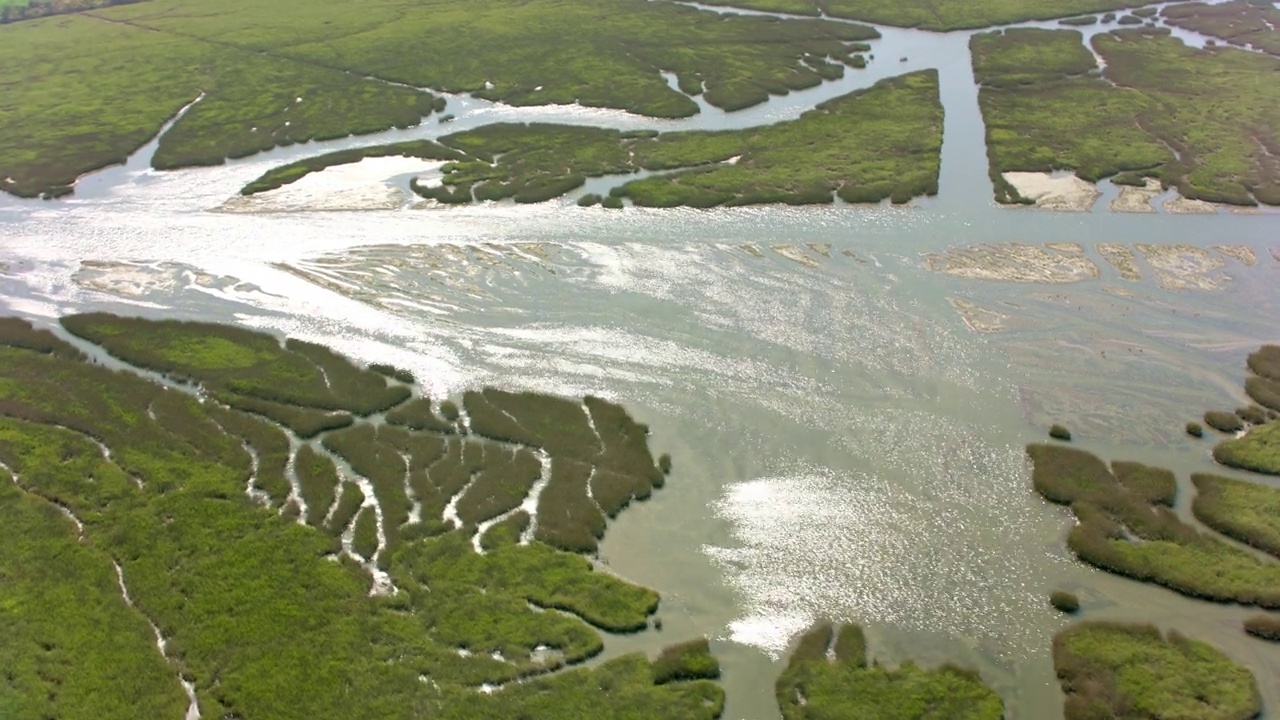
(1132, 671)
(1064, 601)
(690, 660)
(1195, 429)
(828, 676)
(1126, 528)
(1223, 421)
(192, 499)
(1263, 626)
(1058, 432)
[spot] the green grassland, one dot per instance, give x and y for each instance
(1238, 22)
(1047, 107)
(867, 146)
(937, 15)
(1126, 527)
(844, 685)
(255, 612)
(1110, 670)
(83, 91)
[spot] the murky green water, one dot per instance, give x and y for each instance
(845, 446)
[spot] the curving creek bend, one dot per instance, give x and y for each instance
(845, 445)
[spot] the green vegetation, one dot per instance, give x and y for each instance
(417, 415)
(1246, 511)
(88, 89)
(846, 686)
(18, 10)
(867, 146)
(690, 660)
(939, 15)
(304, 422)
(350, 500)
(1258, 450)
(393, 372)
(225, 359)
(1264, 626)
(1264, 391)
(167, 501)
(1058, 432)
(1265, 362)
(1223, 421)
(1194, 429)
(285, 174)
(1048, 107)
(1064, 602)
(317, 483)
(1153, 485)
(567, 517)
(505, 532)
(1126, 528)
(72, 647)
(1131, 671)
(1238, 22)
(365, 535)
(1252, 414)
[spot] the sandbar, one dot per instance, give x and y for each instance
(1137, 199)
(363, 185)
(1066, 194)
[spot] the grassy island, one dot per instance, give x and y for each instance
(129, 505)
(867, 146)
(1047, 106)
(1114, 670)
(86, 90)
(842, 684)
(1126, 527)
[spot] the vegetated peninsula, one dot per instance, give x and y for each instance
(938, 15)
(828, 676)
(85, 90)
(866, 146)
(134, 508)
(1047, 106)
(1126, 525)
(1112, 670)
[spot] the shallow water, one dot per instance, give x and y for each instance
(845, 446)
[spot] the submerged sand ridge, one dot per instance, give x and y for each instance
(1016, 262)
